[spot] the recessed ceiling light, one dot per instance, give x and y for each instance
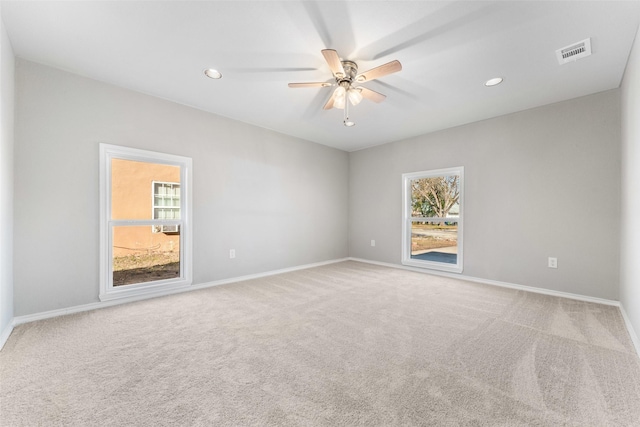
(493, 82)
(212, 74)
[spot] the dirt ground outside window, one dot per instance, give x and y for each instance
(142, 268)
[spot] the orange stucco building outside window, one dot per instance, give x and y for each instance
(132, 197)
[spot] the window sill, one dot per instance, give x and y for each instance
(451, 268)
(147, 289)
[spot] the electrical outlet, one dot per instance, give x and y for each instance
(373, 243)
(232, 253)
(553, 262)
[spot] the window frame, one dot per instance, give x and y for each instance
(408, 219)
(107, 224)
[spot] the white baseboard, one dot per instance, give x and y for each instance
(632, 332)
(496, 283)
(5, 335)
(266, 274)
(19, 320)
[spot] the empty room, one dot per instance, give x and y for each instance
(319, 213)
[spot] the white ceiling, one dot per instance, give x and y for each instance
(448, 49)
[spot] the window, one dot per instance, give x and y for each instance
(166, 205)
(432, 219)
(145, 239)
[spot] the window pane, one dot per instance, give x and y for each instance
(133, 192)
(141, 256)
(436, 196)
(434, 241)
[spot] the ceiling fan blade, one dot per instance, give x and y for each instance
(371, 95)
(332, 58)
(376, 73)
(314, 84)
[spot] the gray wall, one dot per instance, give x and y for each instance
(539, 183)
(277, 200)
(6, 179)
(630, 241)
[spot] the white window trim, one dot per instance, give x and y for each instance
(407, 219)
(107, 290)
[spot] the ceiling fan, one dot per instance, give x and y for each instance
(346, 75)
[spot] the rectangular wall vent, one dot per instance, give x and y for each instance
(574, 52)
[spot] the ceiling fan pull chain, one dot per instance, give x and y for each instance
(347, 122)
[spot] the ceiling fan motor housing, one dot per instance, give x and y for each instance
(350, 71)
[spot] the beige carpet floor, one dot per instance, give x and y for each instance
(347, 344)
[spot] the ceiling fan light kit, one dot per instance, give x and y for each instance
(339, 97)
(346, 74)
(355, 96)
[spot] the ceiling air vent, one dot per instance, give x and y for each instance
(574, 52)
